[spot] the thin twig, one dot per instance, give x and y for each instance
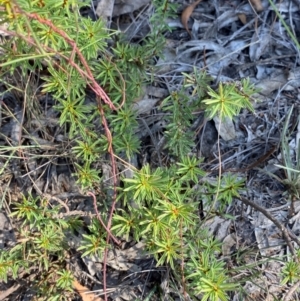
(285, 233)
(94, 85)
(292, 290)
(101, 96)
(114, 173)
(100, 219)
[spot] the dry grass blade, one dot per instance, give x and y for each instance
(187, 13)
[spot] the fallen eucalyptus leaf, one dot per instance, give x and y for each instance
(259, 43)
(225, 128)
(294, 77)
(268, 85)
(185, 16)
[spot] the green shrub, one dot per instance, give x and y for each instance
(157, 205)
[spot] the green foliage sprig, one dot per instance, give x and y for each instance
(42, 237)
(163, 213)
(229, 99)
(157, 205)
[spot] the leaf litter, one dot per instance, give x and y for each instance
(231, 40)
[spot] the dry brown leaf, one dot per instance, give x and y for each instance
(82, 290)
(257, 5)
(242, 18)
(187, 13)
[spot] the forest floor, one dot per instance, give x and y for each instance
(231, 40)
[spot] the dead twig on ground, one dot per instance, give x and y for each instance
(291, 291)
(285, 232)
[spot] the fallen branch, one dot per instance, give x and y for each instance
(287, 235)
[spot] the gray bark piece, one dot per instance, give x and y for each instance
(225, 128)
(127, 6)
(105, 8)
(7, 236)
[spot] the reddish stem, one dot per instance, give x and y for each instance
(100, 219)
(101, 95)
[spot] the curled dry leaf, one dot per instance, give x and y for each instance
(82, 290)
(242, 18)
(257, 5)
(187, 13)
